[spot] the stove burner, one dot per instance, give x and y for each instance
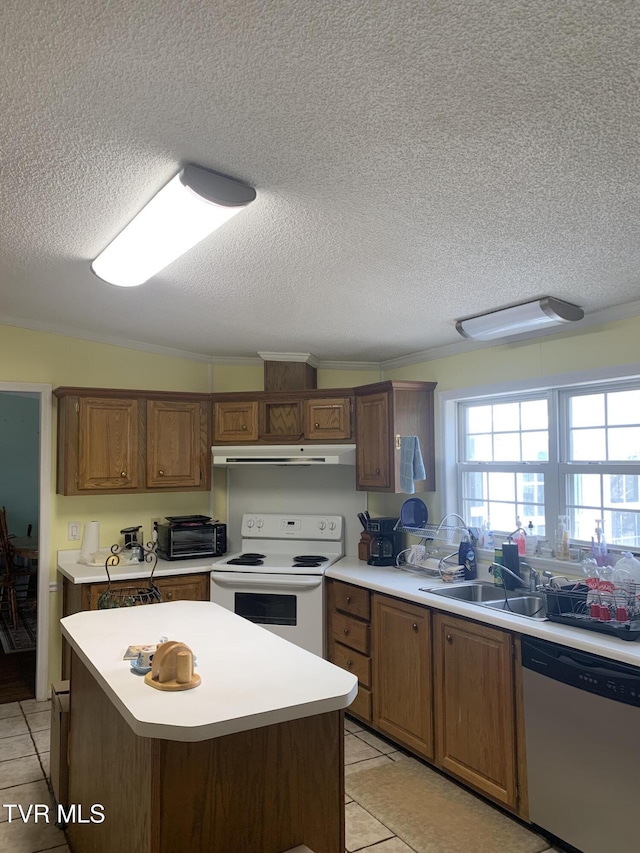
(244, 561)
(306, 565)
(251, 556)
(310, 558)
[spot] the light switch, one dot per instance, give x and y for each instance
(73, 530)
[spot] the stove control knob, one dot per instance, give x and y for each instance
(250, 522)
(260, 523)
(332, 525)
(322, 525)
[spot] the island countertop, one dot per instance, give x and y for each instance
(250, 677)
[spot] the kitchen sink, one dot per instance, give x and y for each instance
(534, 606)
(484, 594)
(478, 592)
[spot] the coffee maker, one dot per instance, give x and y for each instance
(386, 542)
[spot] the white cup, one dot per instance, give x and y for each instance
(145, 656)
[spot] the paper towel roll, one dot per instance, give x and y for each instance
(90, 539)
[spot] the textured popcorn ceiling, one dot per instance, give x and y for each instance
(415, 162)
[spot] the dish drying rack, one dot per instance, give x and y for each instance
(435, 538)
(597, 605)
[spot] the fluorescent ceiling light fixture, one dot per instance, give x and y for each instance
(526, 317)
(185, 211)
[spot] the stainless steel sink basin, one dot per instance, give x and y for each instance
(533, 606)
(474, 591)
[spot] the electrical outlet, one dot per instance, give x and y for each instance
(73, 531)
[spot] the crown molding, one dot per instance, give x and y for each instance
(305, 357)
(349, 365)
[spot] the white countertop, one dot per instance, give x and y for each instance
(79, 573)
(250, 677)
(406, 585)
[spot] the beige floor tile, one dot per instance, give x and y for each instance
(347, 799)
(377, 742)
(24, 795)
(362, 766)
(351, 725)
(42, 740)
(19, 770)
(357, 750)
(30, 706)
(393, 845)
(9, 709)
(39, 721)
(19, 837)
(362, 829)
(12, 726)
(46, 766)
(16, 747)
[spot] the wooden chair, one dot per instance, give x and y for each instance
(9, 572)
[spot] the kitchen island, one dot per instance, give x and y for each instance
(251, 760)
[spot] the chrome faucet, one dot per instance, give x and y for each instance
(532, 584)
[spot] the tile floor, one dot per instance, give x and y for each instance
(363, 832)
(24, 772)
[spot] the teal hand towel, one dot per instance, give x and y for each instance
(411, 464)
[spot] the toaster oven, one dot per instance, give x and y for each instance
(188, 537)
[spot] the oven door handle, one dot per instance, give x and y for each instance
(238, 580)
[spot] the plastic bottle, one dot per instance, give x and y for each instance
(488, 538)
(531, 542)
(562, 539)
(520, 537)
(628, 563)
(497, 573)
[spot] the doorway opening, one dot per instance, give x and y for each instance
(25, 462)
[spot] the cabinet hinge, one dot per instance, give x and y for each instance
(77, 406)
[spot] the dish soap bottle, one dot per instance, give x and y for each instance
(531, 543)
(519, 537)
(562, 539)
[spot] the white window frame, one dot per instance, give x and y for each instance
(555, 497)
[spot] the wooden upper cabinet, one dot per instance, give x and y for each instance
(108, 444)
(112, 441)
(236, 420)
(281, 420)
(475, 706)
(328, 420)
(385, 412)
(173, 444)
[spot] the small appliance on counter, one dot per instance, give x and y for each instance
(187, 537)
(386, 541)
(131, 542)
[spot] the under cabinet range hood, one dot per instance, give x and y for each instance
(256, 455)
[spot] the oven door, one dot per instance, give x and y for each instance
(290, 606)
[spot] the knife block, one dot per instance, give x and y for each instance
(363, 546)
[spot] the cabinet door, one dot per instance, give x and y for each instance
(373, 459)
(173, 444)
(185, 587)
(328, 420)
(402, 677)
(236, 421)
(281, 420)
(107, 444)
(474, 707)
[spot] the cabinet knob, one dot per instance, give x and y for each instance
(449, 638)
(415, 627)
(161, 473)
(170, 594)
(123, 473)
(244, 426)
(349, 664)
(345, 631)
(317, 426)
(348, 599)
(377, 470)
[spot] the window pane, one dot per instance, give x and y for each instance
(506, 447)
(479, 419)
(479, 448)
(585, 490)
(588, 445)
(535, 446)
(582, 523)
(506, 416)
(623, 528)
(587, 410)
(623, 407)
(475, 485)
(534, 414)
(502, 516)
(501, 487)
(621, 489)
(624, 443)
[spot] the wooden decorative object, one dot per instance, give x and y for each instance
(172, 668)
(289, 376)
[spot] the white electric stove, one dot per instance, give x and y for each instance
(276, 580)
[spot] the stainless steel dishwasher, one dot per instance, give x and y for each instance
(582, 723)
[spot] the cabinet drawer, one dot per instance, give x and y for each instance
(353, 662)
(350, 599)
(361, 705)
(351, 632)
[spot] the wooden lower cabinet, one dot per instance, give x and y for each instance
(349, 631)
(475, 706)
(402, 676)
